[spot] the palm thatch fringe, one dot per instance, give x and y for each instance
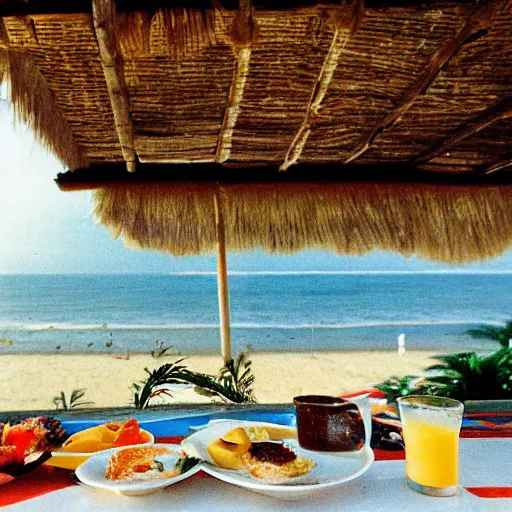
(153, 216)
(34, 104)
(347, 19)
(4, 38)
(452, 224)
(175, 33)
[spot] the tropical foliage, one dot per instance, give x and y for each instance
(75, 400)
(464, 376)
(395, 387)
(232, 384)
(500, 334)
(469, 376)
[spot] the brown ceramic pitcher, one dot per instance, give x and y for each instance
(329, 424)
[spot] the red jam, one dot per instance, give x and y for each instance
(277, 453)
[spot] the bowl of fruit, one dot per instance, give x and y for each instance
(26, 444)
(83, 445)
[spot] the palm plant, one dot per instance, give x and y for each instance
(500, 334)
(75, 400)
(464, 376)
(395, 387)
(232, 385)
(469, 376)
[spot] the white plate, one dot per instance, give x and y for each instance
(330, 470)
(92, 472)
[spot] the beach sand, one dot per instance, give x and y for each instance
(29, 382)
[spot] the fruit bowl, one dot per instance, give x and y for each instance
(83, 445)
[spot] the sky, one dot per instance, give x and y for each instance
(46, 231)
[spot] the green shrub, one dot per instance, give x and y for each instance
(464, 376)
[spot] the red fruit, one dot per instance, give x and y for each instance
(9, 455)
(128, 434)
(25, 438)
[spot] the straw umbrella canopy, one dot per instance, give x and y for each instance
(451, 224)
(266, 82)
(252, 85)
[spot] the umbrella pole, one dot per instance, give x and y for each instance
(222, 281)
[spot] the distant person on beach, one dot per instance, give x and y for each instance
(401, 344)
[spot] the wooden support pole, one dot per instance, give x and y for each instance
(113, 68)
(222, 281)
(242, 34)
(347, 20)
(499, 112)
(479, 18)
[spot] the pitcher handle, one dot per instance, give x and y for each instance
(365, 409)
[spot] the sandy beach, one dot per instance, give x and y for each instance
(29, 382)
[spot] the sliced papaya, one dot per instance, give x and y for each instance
(128, 434)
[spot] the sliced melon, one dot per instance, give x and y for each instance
(278, 433)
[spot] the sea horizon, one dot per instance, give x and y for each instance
(270, 311)
(267, 272)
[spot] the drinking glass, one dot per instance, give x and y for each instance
(431, 427)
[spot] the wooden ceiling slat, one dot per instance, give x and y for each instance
(503, 110)
(100, 175)
(499, 166)
(243, 30)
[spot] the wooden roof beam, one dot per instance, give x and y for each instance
(347, 20)
(100, 175)
(479, 18)
(32, 7)
(499, 112)
(243, 31)
(113, 69)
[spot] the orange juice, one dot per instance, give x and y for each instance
(432, 453)
(431, 426)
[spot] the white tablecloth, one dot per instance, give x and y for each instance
(483, 462)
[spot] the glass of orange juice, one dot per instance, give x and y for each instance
(431, 427)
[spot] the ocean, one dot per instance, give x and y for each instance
(269, 311)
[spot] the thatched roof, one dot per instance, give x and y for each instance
(239, 89)
(269, 83)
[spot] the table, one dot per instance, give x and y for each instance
(484, 462)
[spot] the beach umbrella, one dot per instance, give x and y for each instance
(251, 86)
(451, 224)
